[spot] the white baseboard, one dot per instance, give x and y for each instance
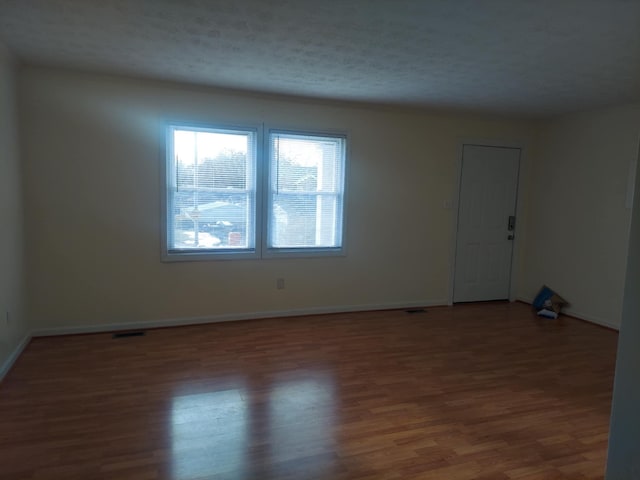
(6, 366)
(176, 322)
(592, 319)
(580, 315)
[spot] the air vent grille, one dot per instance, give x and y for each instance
(139, 333)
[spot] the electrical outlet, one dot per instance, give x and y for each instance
(280, 283)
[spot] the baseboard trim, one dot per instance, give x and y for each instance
(6, 366)
(588, 318)
(177, 322)
(580, 316)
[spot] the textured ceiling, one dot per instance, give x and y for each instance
(524, 57)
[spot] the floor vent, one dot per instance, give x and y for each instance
(128, 334)
(416, 310)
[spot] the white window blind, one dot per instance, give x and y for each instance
(306, 191)
(211, 191)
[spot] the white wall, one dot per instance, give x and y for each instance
(623, 461)
(12, 292)
(578, 223)
(92, 153)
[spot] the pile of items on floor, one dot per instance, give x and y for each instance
(548, 303)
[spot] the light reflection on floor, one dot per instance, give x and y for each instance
(209, 433)
(214, 433)
(302, 414)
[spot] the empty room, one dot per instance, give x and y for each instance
(295, 239)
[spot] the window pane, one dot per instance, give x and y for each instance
(306, 191)
(223, 222)
(304, 221)
(212, 198)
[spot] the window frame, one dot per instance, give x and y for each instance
(303, 252)
(262, 192)
(167, 177)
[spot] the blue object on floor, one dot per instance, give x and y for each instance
(545, 294)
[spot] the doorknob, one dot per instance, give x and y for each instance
(510, 237)
(511, 223)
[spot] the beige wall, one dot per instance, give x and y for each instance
(92, 154)
(14, 330)
(578, 223)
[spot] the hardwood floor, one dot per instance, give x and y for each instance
(484, 391)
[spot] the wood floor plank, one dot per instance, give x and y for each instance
(479, 391)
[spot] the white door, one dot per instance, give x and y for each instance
(486, 223)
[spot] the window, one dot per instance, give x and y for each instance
(305, 191)
(214, 193)
(211, 191)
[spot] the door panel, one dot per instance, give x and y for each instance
(488, 192)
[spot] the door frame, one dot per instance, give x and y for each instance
(519, 229)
